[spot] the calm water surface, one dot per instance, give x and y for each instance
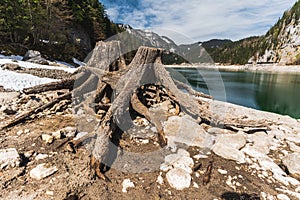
(279, 93)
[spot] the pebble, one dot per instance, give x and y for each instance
(195, 185)
(41, 156)
(42, 171)
(20, 132)
(9, 158)
(28, 154)
(223, 172)
(160, 179)
(48, 139)
(127, 184)
(57, 135)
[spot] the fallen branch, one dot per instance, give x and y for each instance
(37, 110)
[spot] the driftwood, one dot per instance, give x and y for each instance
(190, 90)
(63, 84)
(37, 110)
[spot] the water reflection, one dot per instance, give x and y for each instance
(279, 93)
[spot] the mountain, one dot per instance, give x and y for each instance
(282, 41)
(281, 44)
(60, 29)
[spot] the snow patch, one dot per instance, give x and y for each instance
(16, 81)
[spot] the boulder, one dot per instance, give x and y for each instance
(228, 152)
(185, 130)
(292, 162)
(235, 141)
(35, 57)
(31, 54)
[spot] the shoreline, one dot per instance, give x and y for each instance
(273, 68)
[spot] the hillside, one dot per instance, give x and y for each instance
(60, 29)
(281, 44)
(282, 41)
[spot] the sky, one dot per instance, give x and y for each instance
(188, 21)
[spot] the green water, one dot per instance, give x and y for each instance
(278, 93)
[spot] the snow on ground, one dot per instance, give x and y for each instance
(18, 81)
(33, 65)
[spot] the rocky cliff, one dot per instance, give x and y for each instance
(282, 41)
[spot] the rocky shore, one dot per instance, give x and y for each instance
(269, 68)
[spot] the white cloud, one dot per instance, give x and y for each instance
(203, 19)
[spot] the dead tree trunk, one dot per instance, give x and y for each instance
(107, 56)
(145, 68)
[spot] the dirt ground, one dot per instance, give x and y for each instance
(75, 180)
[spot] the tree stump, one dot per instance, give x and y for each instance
(106, 56)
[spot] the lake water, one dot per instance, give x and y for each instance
(279, 93)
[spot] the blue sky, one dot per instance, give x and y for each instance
(187, 21)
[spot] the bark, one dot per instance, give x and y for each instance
(63, 84)
(107, 56)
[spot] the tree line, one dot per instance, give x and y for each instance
(58, 28)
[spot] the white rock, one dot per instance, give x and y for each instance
(235, 141)
(294, 194)
(183, 152)
(292, 161)
(127, 184)
(178, 161)
(261, 141)
(80, 135)
(9, 158)
(293, 138)
(69, 131)
(217, 131)
(294, 147)
(42, 171)
(228, 152)
(223, 172)
(28, 154)
(48, 139)
(200, 156)
(160, 180)
(282, 197)
(50, 193)
(195, 185)
(185, 163)
(41, 156)
(253, 152)
(179, 179)
(20, 132)
(57, 135)
(185, 130)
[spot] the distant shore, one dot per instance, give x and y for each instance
(271, 68)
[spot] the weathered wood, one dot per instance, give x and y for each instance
(106, 56)
(37, 110)
(143, 110)
(146, 68)
(190, 90)
(63, 84)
